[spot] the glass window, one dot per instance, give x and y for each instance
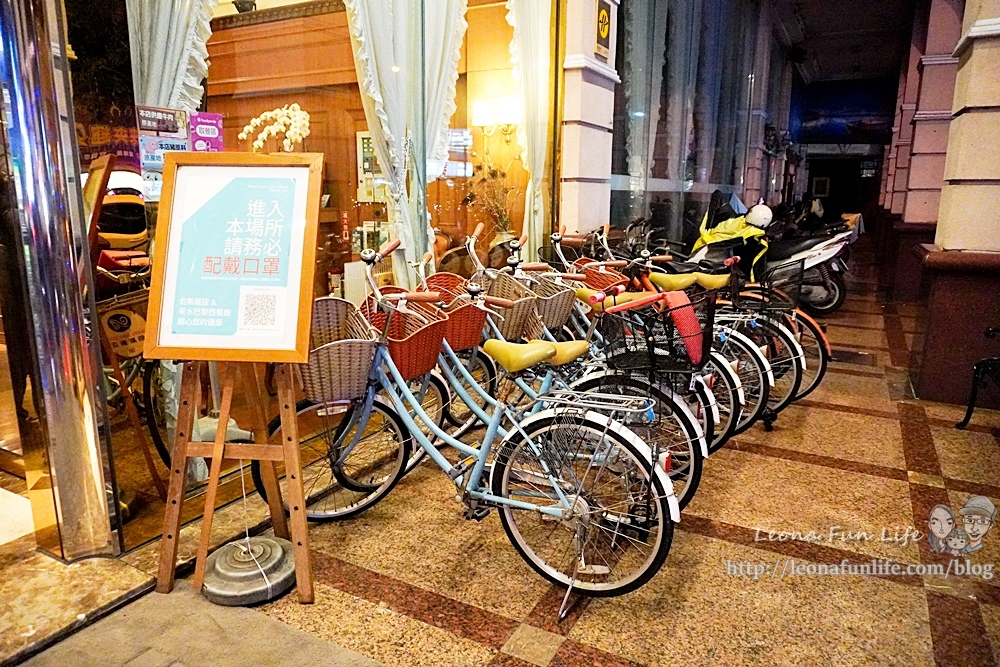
(682, 108)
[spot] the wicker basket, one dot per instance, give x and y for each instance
(414, 341)
(516, 317)
(599, 277)
(465, 321)
(554, 303)
(342, 346)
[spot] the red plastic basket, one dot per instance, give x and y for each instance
(414, 342)
(465, 321)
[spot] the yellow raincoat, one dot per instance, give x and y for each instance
(727, 230)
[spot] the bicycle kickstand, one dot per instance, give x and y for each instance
(769, 416)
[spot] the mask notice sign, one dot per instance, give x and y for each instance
(602, 47)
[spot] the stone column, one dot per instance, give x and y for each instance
(937, 70)
(587, 119)
(963, 268)
(908, 109)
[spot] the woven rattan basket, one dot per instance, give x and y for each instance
(342, 346)
(465, 321)
(414, 341)
(554, 303)
(599, 277)
(516, 317)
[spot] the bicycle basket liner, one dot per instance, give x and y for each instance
(414, 341)
(342, 346)
(516, 317)
(554, 303)
(124, 321)
(691, 320)
(465, 321)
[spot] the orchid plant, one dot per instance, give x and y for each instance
(290, 121)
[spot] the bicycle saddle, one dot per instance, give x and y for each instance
(515, 357)
(704, 266)
(565, 352)
(672, 282)
(785, 249)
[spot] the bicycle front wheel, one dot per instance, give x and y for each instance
(339, 483)
(617, 531)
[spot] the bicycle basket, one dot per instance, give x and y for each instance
(342, 346)
(599, 277)
(673, 340)
(414, 338)
(124, 321)
(516, 317)
(465, 321)
(555, 301)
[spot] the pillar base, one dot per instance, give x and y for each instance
(964, 300)
(902, 271)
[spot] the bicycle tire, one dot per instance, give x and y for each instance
(649, 484)
(817, 354)
(351, 502)
(724, 383)
(150, 400)
(437, 394)
(458, 413)
(751, 368)
(668, 406)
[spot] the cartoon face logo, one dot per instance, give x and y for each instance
(940, 524)
(957, 541)
(978, 516)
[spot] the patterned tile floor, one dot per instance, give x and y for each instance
(411, 583)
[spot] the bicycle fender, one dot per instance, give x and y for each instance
(702, 440)
(625, 432)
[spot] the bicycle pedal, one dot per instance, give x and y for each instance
(477, 513)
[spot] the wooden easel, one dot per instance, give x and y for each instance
(219, 450)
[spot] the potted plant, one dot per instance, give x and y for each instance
(287, 126)
(491, 194)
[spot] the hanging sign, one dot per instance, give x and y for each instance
(603, 46)
(234, 258)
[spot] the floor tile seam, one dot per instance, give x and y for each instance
(822, 460)
(849, 409)
(974, 428)
(918, 442)
(793, 550)
(408, 597)
(856, 347)
(850, 371)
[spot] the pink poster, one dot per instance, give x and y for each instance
(206, 132)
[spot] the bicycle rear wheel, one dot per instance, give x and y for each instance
(729, 397)
(618, 531)
(434, 403)
(810, 336)
(483, 370)
(672, 430)
(752, 369)
(340, 484)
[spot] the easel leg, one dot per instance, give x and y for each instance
(175, 495)
(227, 381)
(251, 383)
(293, 473)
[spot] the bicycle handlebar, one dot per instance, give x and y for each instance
(478, 231)
(573, 241)
(660, 259)
(415, 297)
(388, 248)
(524, 239)
(498, 302)
(535, 266)
(638, 303)
(598, 297)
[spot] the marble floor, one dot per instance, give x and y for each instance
(411, 583)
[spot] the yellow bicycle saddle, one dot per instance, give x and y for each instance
(671, 282)
(566, 352)
(515, 357)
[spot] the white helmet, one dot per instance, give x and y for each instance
(760, 216)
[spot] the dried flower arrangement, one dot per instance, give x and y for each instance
(290, 121)
(491, 194)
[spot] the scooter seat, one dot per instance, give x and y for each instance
(566, 352)
(704, 266)
(515, 357)
(777, 250)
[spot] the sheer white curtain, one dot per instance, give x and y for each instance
(387, 39)
(169, 56)
(531, 58)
